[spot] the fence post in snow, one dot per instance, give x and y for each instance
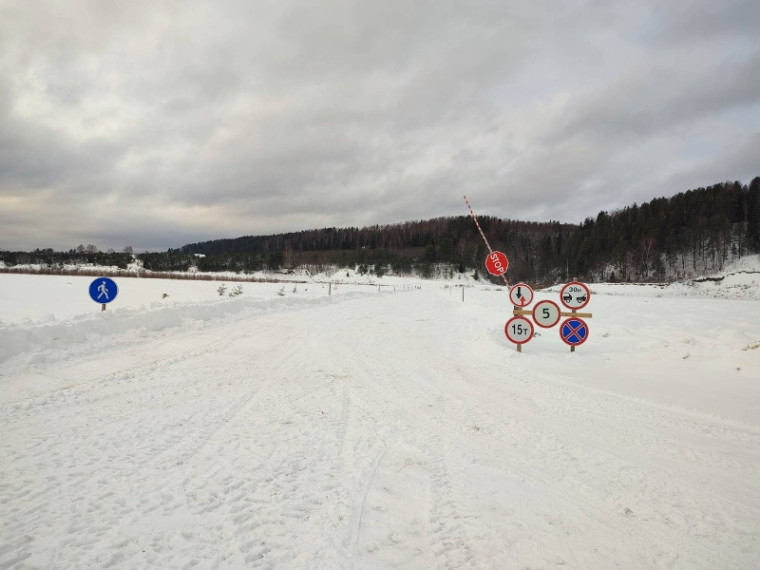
(519, 346)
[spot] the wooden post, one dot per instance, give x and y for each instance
(516, 308)
(572, 348)
(573, 311)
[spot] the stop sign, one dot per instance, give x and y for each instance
(497, 263)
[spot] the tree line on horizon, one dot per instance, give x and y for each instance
(665, 239)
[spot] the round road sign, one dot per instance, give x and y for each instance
(575, 295)
(521, 295)
(546, 314)
(103, 290)
(497, 263)
(573, 331)
(519, 330)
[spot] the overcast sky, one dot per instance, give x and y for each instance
(159, 123)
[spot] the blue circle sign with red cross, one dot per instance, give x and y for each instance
(573, 331)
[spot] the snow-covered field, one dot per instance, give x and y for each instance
(376, 427)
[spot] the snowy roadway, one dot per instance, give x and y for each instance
(389, 430)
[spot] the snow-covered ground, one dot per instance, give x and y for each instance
(356, 426)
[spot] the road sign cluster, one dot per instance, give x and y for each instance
(546, 314)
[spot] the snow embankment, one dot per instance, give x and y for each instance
(96, 326)
(740, 280)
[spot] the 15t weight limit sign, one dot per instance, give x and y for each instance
(519, 330)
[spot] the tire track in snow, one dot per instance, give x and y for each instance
(669, 476)
(169, 439)
(583, 500)
(385, 453)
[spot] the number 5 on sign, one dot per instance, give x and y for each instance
(546, 313)
(519, 330)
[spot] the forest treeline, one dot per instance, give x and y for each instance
(666, 239)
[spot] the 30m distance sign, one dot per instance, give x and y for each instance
(575, 295)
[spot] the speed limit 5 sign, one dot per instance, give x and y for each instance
(546, 314)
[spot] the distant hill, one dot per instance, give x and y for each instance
(666, 239)
(410, 246)
(691, 233)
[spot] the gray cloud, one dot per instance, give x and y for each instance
(153, 125)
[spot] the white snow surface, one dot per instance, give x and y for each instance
(376, 427)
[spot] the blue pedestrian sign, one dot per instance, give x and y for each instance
(573, 331)
(103, 290)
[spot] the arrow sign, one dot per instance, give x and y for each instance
(521, 295)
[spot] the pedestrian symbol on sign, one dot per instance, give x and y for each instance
(103, 290)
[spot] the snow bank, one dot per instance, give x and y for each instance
(55, 311)
(740, 280)
(15, 339)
